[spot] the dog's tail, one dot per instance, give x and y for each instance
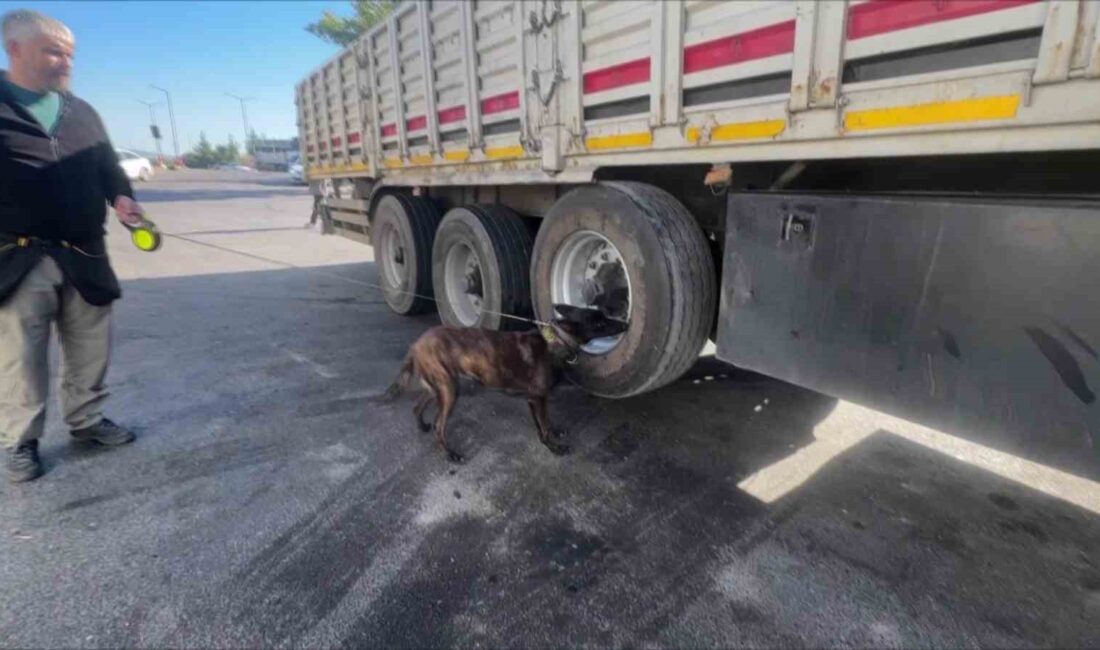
(401, 383)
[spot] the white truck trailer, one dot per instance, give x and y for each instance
(890, 201)
(274, 155)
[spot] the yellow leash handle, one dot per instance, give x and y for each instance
(145, 235)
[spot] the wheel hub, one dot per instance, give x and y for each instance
(393, 257)
(588, 271)
(590, 291)
(464, 283)
(473, 279)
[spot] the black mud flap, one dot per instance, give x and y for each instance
(978, 317)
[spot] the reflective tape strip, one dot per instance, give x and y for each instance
(740, 131)
(497, 153)
(883, 16)
(500, 103)
(760, 43)
(617, 76)
(620, 141)
(965, 110)
(453, 114)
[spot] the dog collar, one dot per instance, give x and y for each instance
(552, 337)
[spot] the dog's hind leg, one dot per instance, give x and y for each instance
(538, 408)
(418, 411)
(447, 396)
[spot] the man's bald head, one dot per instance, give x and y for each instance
(40, 50)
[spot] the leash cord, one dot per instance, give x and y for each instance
(335, 276)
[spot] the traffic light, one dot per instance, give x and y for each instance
(156, 131)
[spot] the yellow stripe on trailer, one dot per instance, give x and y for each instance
(392, 163)
(965, 110)
(421, 159)
(740, 131)
(499, 153)
(619, 141)
(456, 156)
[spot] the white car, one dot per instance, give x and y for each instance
(137, 168)
(297, 174)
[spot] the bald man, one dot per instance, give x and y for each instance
(58, 173)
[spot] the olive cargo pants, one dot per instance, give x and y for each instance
(84, 334)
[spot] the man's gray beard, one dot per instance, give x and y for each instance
(60, 86)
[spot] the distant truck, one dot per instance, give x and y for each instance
(892, 201)
(274, 155)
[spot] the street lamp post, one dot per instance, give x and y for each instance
(153, 123)
(244, 115)
(171, 118)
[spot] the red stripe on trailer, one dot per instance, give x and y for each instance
(388, 130)
(760, 43)
(617, 76)
(309, 147)
(336, 141)
(883, 16)
(500, 103)
(416, 123)
(354, 138)
(453, 114)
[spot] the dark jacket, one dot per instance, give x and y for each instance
(57, 189)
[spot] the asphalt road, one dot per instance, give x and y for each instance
(272, 501)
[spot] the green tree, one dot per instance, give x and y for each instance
(228, 153)
(343, 31)
(203, 155)
(206, 155)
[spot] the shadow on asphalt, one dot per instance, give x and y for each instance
(283, 504)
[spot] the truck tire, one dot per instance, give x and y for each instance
(480, 267)
(402, 231)
(650, 243)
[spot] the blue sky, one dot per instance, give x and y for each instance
(198, 51)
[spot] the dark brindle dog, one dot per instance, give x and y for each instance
(519, 363)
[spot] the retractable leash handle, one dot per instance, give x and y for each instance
(145, 235)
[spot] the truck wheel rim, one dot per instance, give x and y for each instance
(393, 257)
(588, 271)
(464, 283)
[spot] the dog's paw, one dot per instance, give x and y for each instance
(454, 456)
(557, 448)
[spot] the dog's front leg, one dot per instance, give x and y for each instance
(537, 405)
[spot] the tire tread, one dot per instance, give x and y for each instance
(512, 243)
(424, 220)
(691, 279)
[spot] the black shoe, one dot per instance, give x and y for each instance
(105, 433)
(22, 462)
